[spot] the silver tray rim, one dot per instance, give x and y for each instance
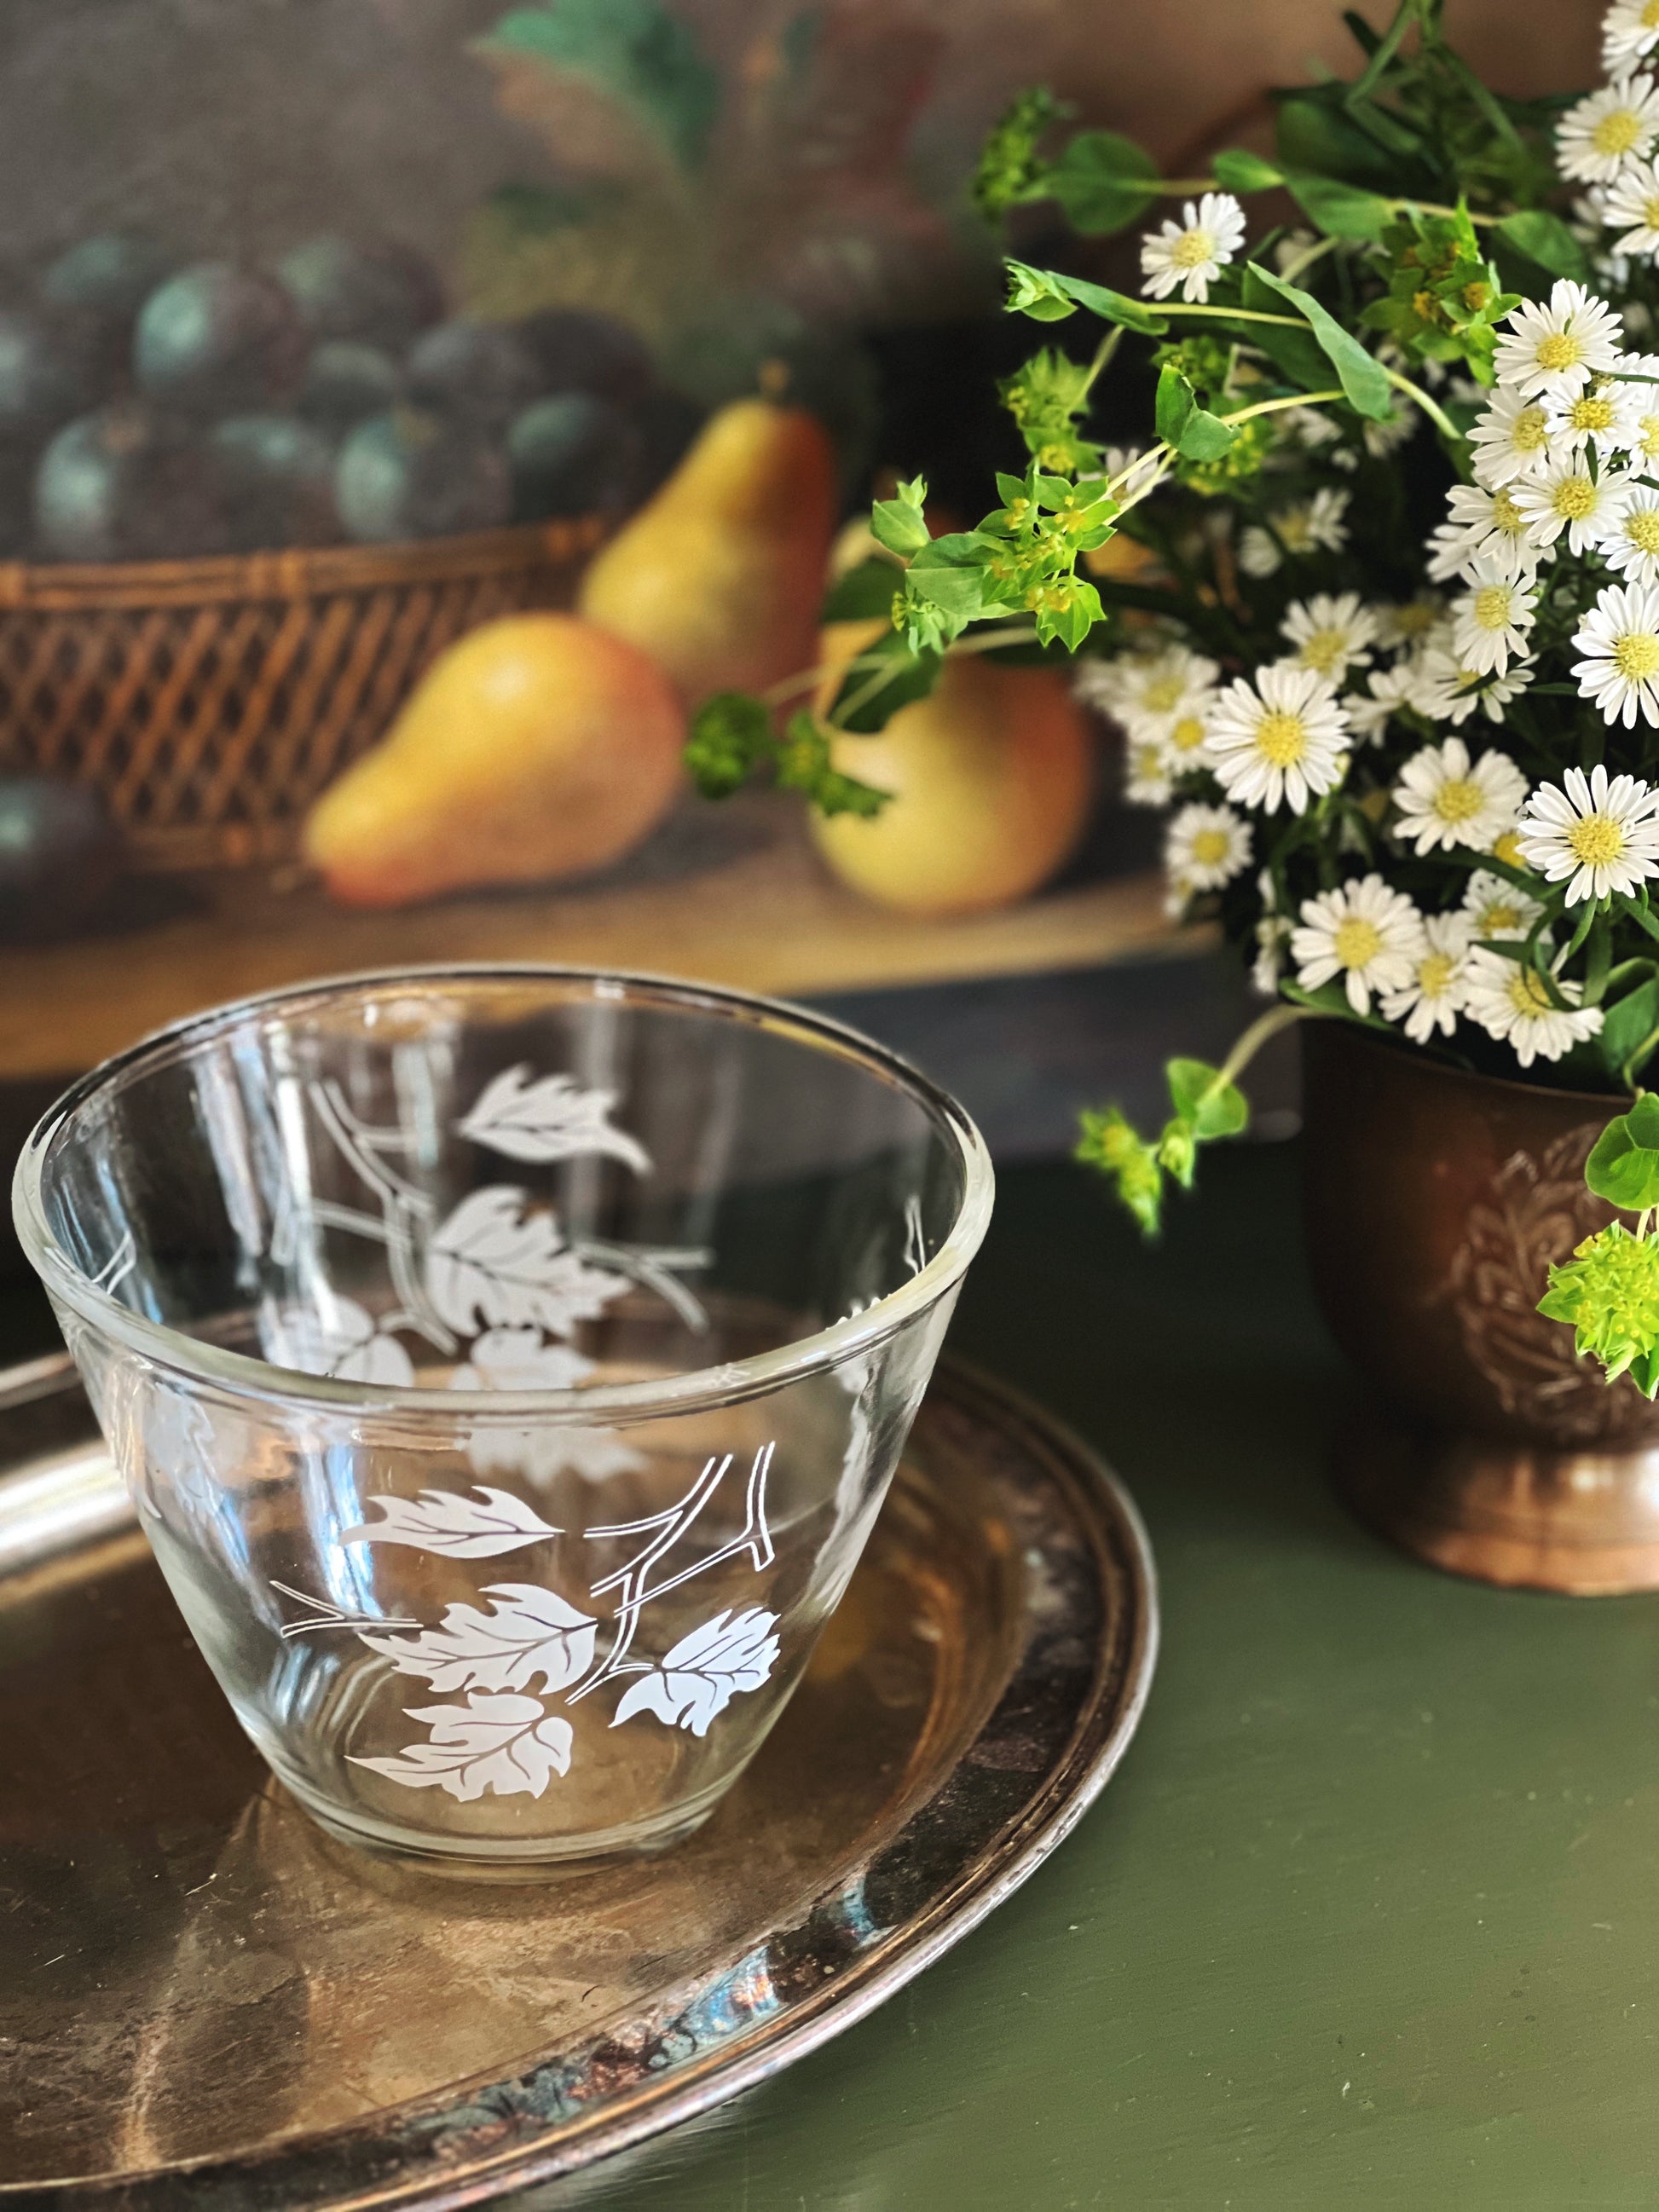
(283, 2174)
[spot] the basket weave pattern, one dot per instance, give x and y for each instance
(211, 701)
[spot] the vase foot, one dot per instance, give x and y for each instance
(1582, 1522)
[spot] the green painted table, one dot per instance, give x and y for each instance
(1369, 1916)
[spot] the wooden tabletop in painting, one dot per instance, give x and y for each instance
(1368, 1918)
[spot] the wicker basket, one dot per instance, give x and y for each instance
(210, 702)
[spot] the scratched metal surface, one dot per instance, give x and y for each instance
(194, 1979)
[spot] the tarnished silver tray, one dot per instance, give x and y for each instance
(205, 2001)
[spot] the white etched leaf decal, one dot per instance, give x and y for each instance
(551, 1118)
(542, 1455)
(453, 1524)
(493, 1266)
(517, 1359)
(509, 1745)
(527, 1631)
(336, 1337)
(705, 1670)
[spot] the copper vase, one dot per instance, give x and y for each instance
(1436, 1201)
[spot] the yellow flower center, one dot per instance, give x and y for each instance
(1193, 249)
(1506, 515)
(1294, 529)
(1434, 974)
(1527, 995)
(1595, 839)
(1636, 655)
(1560, 350)
(1326, 650)
(1507, 849)
(1531, 426)
(1617, 132)
(1497, 915)
(1573, 498)
(1491, 606)
(1187, 734)
(1458, 799)
(1163, 693)
(1148, 762)
(1651, 16)
(1650, 436)
(1210, 848)
(1641, 528)
(1414, 617)
(1281, 738)
(1356, 942)
(1591, 412)
(1650, 215)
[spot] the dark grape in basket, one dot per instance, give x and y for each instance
(277, 475)
(111, 275)
(127, 483)
(570, 455)
(478, 373)
(47, 370)
(217, 340)
(345, 381)
(410, 474)
(375, 292)
(59, 854)
(580, 351)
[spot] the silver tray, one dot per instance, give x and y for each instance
(204, 2000)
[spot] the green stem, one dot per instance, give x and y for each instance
(1262, 1031)
(1275, 406)
(1432, 408)
(1225, 314)
(1307, 257)
(1104, 352)
(1434, 207)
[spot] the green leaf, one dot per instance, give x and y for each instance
(1624, 1166)
(886, 676)
(804, 765)
(730, 735)
(1214, 1109)
(1174, 406)
(1049, 297)
(1100, 182)
(1361, 377)
(952, 575)
(1294, 352)
(1315, 136)
(636, 52)
(1206, 437)
(1238, 171)
(1627, 1024)
(899, 523)
(1340, 211)
(1543, 238)
(863, 593)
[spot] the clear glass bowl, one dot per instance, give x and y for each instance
(507, 1366)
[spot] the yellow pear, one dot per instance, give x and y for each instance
(718, 577)
(536, 746)
(992, 776)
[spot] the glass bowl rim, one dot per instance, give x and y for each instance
(242, 1376)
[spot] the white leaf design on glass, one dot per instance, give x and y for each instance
(527, 1631)
(510, 1745)
(549, 1118)
(705, 1670)
(453, 1524)
(492, 1265)
(518, 1359)
(336, 1337)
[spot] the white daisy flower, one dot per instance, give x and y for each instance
(1645, 366)
(1330, 634)
(1493, 622)
(1599, 831)
(1185, 737)
(1620, 640)
(1283, 741)
(1099, 683)
(1551, 352)
(1495, 908)
(1396, 429)
(1482, 521)
(1189, 254)
(1510, 439)
(1407, 624)
(1600, 133)
(1632, 550)
(1509, 1001)
(1371, 936)
(1606, 414)
(1630, 204)
(1309, 526)
(1568, 497)
(1159, 688)
(1387, 690)
(1434, 998)
(1445, 691)
(1204, 847)
(1148, 778)
(1630, 29)
(1446, 798)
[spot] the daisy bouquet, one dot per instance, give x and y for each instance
(1376, 607)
